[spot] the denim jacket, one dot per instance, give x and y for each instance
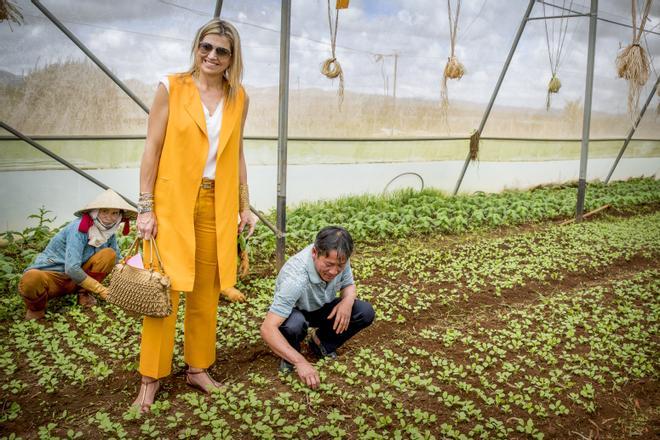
(68, 251)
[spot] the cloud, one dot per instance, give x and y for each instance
(148, 38)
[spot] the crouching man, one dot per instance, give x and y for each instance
(306, 296)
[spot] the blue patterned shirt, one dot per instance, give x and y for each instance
(68, 251)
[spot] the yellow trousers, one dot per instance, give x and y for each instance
(157, 344)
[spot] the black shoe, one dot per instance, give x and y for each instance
(285, 367)
(320, 351)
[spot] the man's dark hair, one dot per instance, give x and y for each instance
(334, 238)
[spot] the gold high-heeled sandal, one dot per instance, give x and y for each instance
(142, 399)
(215, 383)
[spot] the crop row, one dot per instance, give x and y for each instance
(406, 213)
(518, 372)
(409, 277)
(74, 347)
(515, 373)
(374, 218)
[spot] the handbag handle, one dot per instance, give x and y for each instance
(152, 246)
(132, 250)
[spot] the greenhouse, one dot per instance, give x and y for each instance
(459, 198)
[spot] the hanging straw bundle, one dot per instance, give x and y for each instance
(10, 12)
(331, 67)
(555, 47)
(554, 85)
(632, 63)
(475, 137)
(453, 69)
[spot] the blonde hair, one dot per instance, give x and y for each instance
(234, 73)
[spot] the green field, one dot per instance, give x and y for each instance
(17, 155)
(493, 320)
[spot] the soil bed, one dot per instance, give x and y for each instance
(418, 342)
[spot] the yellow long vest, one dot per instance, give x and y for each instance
(180, 171)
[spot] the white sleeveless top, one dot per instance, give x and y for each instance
(213, 125)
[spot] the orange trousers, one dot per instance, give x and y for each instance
(38, 286)
(157, 345)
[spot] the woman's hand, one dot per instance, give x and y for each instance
(247, 219)
(147, 226)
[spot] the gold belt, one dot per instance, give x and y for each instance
(207, 183)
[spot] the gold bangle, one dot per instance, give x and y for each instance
(243, 197)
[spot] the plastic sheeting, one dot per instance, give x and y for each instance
(49, 87)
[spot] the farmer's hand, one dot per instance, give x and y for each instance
(93, 286)
(233, 294)
(308, 374)
(247, 219)
(342, 315)
(147, 226)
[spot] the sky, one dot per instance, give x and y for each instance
(147, 39)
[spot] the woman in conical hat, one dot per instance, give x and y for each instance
(78, 257)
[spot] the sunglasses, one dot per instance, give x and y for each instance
(221, 52)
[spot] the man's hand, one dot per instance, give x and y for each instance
(342, 315)
(277, 342)
(308, 374)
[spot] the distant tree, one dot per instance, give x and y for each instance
(572, 114)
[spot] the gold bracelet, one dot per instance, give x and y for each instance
(243, 197)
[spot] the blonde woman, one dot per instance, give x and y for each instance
(193, 182)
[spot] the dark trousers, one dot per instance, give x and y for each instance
(295, 327)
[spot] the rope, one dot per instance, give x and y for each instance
(466, 32)
(645, 15)
(453, 25)
(562, 34)
(655, 72)
(632, 62)
(453, 69)
(555, 49)
(331, 67)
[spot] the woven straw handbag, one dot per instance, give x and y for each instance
(141, 291)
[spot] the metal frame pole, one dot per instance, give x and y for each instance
(632, 131)
(564, 8)
(396, 64)
(218, 9)
(282, 132)
(89, 53)
(124, 87)
(586, 116)
(521, 28)
(552, 17)
(92, 179)
(64, 162)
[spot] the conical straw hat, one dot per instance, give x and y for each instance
(109, 199)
